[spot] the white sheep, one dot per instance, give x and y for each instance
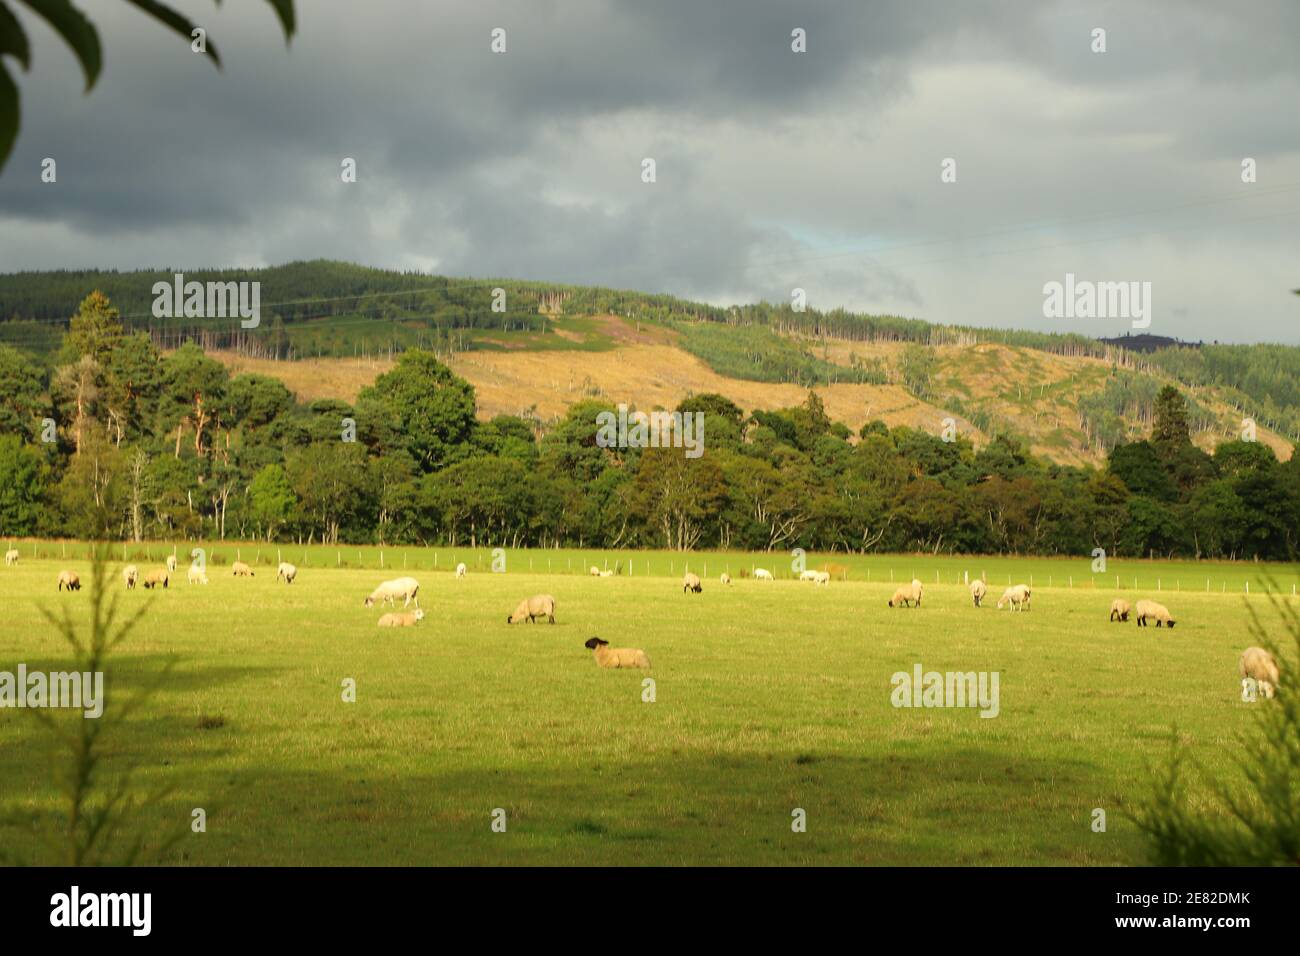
(977, 591)
(241, 570)
(761, 574)
(1120, 610)
(607, 573)
(607, 656)
(821, 577)
(69, 580)
(807, 575)
(1017, 596)
(726, 578)
(196, 575)
(398, 619)
(1261, 666)
(691, 583)
(171, 564)
(286, 571)
(1157, 612)
(461, 570)
(156, 577)
(595, 571)
(909, 595)
(130, 574)
(408, 589)
(529, 609)
(11, 557)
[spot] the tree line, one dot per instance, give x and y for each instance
(116, 440)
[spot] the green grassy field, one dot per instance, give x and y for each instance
(768, 697)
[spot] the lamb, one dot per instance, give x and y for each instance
(691, 582)
(408, 589)
(607, 656)
(461, 570)
(1120, 609)
(156, 577)
(69, 580)
(977, 591)
(240, 570)
(1150, 609)
(1016, 596)
(11, 557)
(130, 574)
(821, 577)
(1261, 666)
(761, 574)
(539, 605)
(171, 564)
(909, 595)
(408, 619)
(726, 578)
(286, 571)
(197, 575)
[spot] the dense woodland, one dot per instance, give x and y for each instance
(115, 440)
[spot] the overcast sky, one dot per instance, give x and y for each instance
(775, 169)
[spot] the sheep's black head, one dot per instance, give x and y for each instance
(594, 642)
(1171, 623)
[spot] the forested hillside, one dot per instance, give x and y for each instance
(122, 441)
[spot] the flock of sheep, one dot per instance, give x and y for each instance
(1256, 662)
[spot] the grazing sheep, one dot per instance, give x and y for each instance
(1016, 596)
(196, 575)
(821, 577)
(286, 571)
(529, 609)
(909, 595)
(1119, 609)
(691, 582)
(69, 580)
(461, 570)
(807, 575)
(11, 557)
(726, 578)
(156, 577)
(1150, 609)
(1261, 666)
(408, 589)
(977, 591)
(130, 574)
(240, 570)
(607, 656)
(409, 619)
(762, 575)
(171, 564)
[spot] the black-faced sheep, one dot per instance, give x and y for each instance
(607, 656)
(691, 583)
(909, 595)
(130, 574)
(529, 609)
(286, 571)
(1150, 610)
(156, 577)
(1261, 666)
(241, 570)
(1119, 610)
(69, 580)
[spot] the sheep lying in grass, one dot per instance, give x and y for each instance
(1120, 609)
(761, 574)
(240, 570)
(171, 564)
(69, 580)
(11, 557)
(607, 573)
(196, 575)
(398, 619)
(461, 570)
(130, 574)
(909, 595)
(595, 571)
(1150, 610)
(1017, 597)
(408, 589)
(529, 609)
(977, 591)
(286, 571)
(691, 583)
(726, 578)
(607, 656)
(1261, 666)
